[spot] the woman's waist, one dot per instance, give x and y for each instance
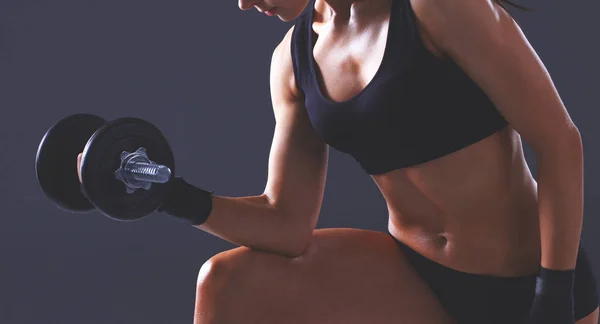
(487, 247)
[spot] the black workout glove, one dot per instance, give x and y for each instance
(186, 202)
(553, 302)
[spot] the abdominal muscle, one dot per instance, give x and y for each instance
(474, 210)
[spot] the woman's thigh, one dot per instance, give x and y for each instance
(346, 276)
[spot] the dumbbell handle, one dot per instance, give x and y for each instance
(137, 171)
(148, 172)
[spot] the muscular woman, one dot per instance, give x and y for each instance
(432, 98)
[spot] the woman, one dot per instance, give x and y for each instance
(431, 97)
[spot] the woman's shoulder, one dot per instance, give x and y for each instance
(282, 66)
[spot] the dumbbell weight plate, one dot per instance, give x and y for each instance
(101, 158)
(56, 160)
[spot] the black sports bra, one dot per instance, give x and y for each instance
(417, 108)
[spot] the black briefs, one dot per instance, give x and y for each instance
(472, 298)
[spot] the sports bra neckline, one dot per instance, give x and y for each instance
(313, 65)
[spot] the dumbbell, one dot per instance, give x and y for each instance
(126, 166)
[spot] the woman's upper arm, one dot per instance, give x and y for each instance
(298, 158)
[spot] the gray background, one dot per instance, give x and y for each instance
(199, 71)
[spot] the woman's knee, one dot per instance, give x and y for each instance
(241, 285)
(243, 269)
(213, 273)
(211, 290)
(241, 265)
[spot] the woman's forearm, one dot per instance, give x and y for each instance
(560, 196)
(257, 223)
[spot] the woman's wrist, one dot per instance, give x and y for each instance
(187, 202)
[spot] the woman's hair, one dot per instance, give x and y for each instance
(503, 4)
